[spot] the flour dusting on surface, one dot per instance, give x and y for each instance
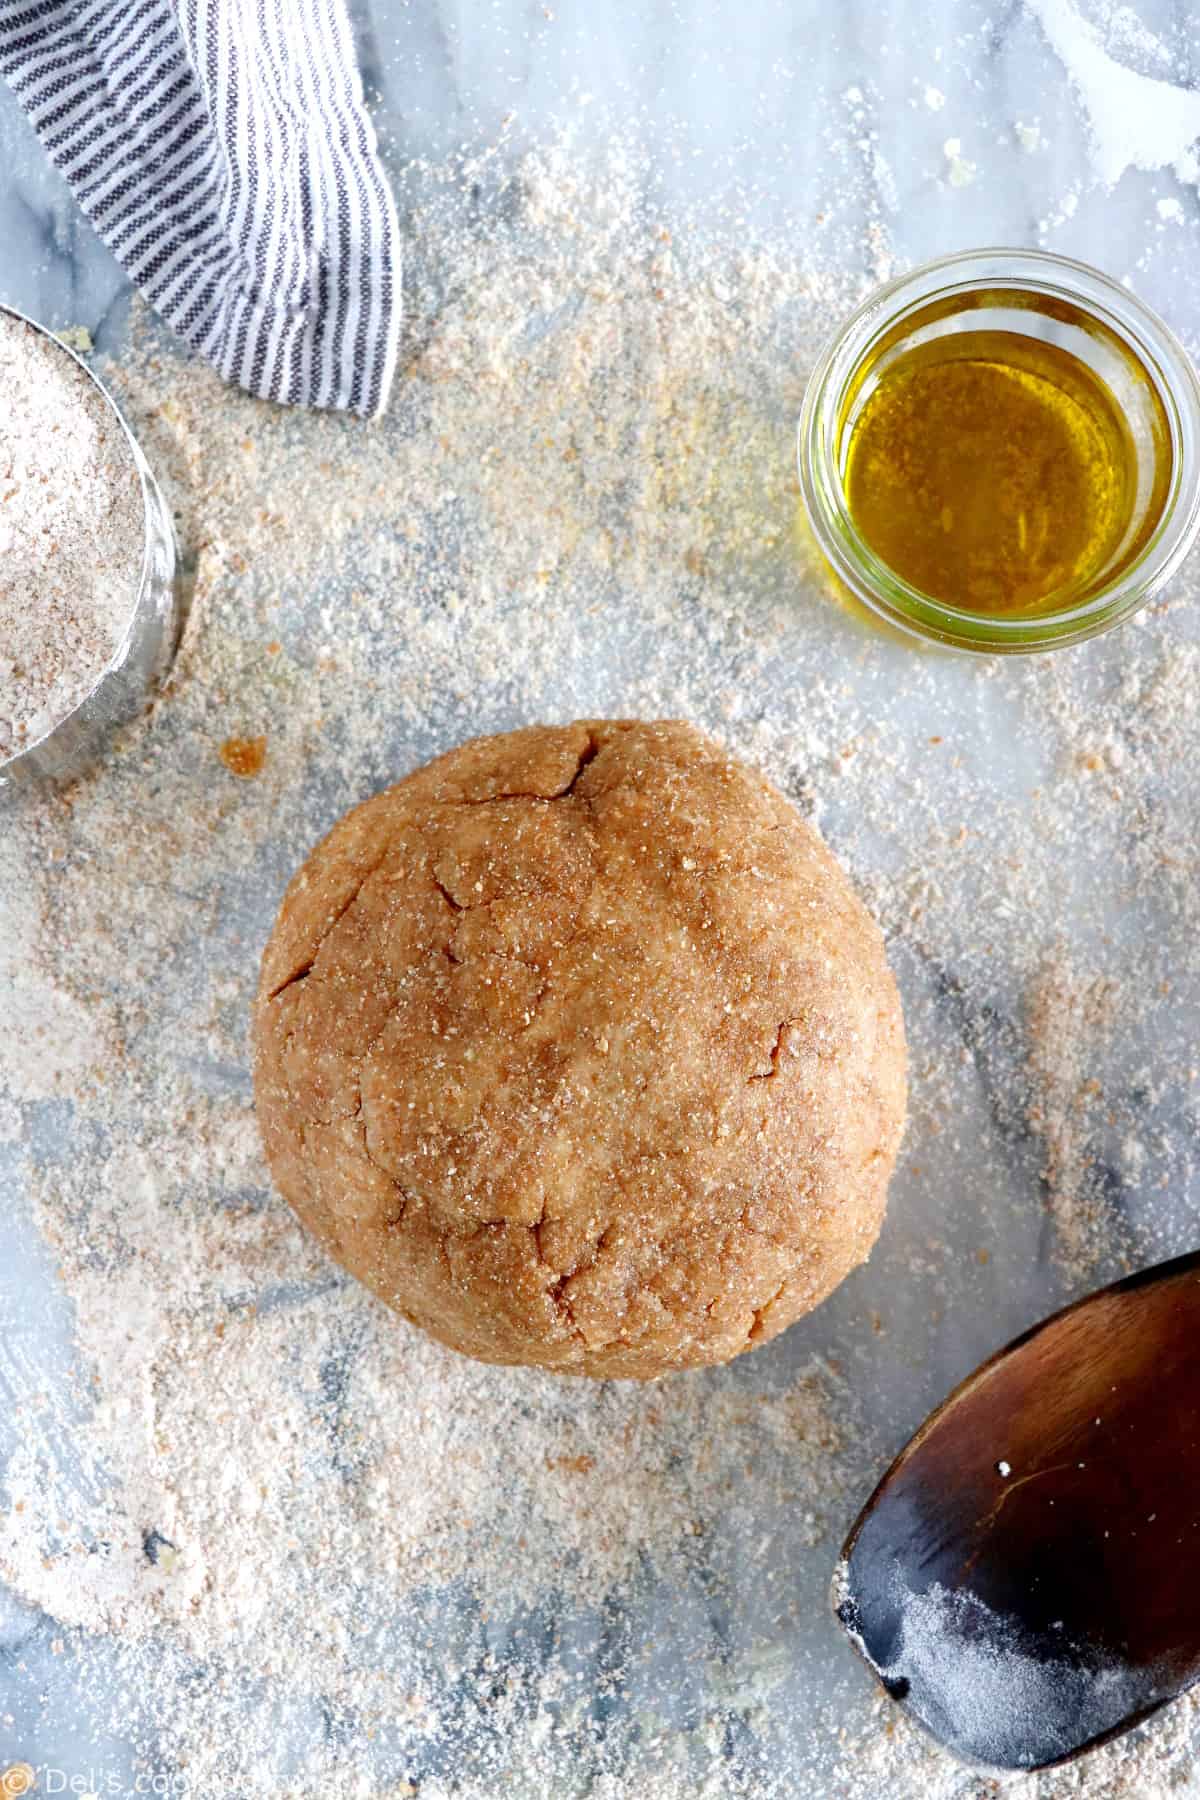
(306, 1548)
(1139, 120)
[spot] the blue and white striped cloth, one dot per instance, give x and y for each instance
(223, 152)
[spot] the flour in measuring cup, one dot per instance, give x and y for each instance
(71, 534)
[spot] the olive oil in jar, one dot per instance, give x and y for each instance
(1000, 452)
(994, 471)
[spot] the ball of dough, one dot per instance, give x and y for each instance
(577, 1047)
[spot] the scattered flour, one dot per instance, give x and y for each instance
(1138, 121)
(959, 172)
(287, 1545)
(1069, 1019)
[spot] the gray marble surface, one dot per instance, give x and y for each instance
(769, 110)
(968, 130)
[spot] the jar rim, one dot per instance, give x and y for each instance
(1131, 320)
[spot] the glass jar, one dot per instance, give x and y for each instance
(147, 642)
(1063, 303)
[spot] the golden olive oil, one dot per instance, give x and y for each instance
(994, 471)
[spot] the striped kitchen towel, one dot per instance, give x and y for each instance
(223, 152)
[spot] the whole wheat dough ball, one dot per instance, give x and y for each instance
(577, 1047)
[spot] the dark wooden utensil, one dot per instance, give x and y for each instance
(1025, 1580)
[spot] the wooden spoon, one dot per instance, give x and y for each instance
(1025, 1579)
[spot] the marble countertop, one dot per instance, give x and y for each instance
(968, 122)
(800, 91)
